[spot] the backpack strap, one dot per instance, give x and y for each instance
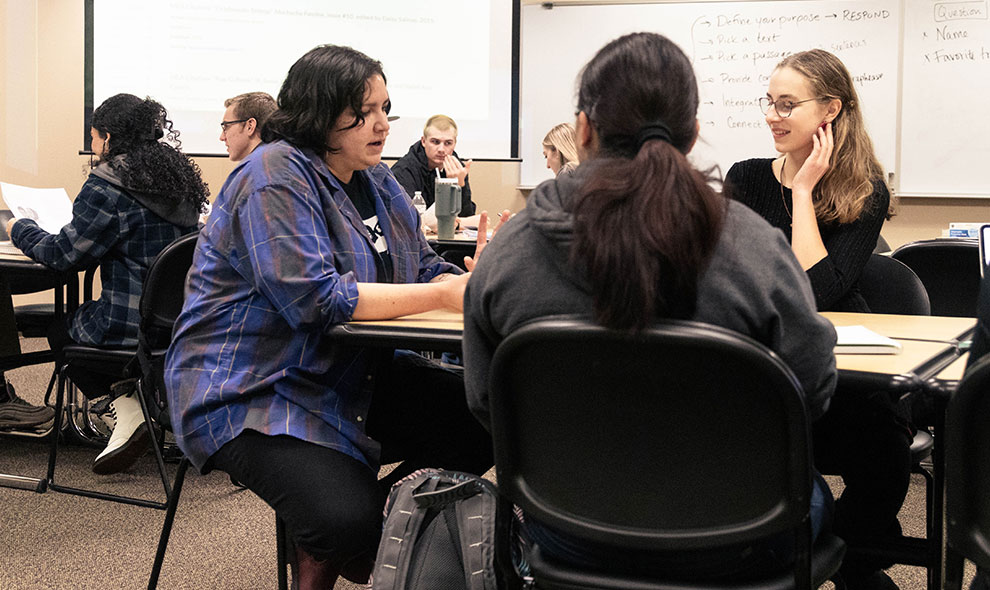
(432, 498)
(475, 518)
(402, 522)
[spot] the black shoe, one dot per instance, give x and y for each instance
(15, 413)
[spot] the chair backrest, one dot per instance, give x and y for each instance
(685, 436)
(967, 463)
(882, 246)
(164, 289)
(161, 303)
(890, 286)
(950, 271)
(454, 253)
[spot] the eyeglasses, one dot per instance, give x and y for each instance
(783, 107)
(225, 124)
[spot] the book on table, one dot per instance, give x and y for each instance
(862, 340)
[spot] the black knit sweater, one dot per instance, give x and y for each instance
(835, 278)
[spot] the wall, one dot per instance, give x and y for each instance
(41, 96)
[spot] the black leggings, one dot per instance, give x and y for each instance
(332, 503)
(863, 439)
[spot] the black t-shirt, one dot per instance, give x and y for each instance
(360, 195)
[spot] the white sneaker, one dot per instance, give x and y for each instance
(129, 439)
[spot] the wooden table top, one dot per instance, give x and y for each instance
(942, 332)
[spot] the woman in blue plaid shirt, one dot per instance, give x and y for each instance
(142, 194)
(309, 231)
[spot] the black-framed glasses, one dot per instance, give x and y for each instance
(783, 107)
(225, 124)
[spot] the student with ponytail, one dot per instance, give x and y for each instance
(634, 235)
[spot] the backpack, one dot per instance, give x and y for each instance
(440, 534)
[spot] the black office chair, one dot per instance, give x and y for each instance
(684, 437)
(454, 253)
(160, 304)
(967, 474)
(890, 286)
(950, 271)
(33, 319)
(882, 246)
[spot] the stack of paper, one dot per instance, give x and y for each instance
(862, 340)
(49, 207)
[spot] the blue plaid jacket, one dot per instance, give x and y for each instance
(275, 268)
(108, 227)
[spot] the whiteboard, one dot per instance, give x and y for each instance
(734, 47)
(945, 112)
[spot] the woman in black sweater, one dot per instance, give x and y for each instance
(826, 193)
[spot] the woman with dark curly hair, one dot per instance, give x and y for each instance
(141, 195)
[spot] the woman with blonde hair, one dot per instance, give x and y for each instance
(559, 149)
(826, 193)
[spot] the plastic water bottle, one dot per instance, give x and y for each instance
(419, 203)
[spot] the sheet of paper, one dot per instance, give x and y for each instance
(9, 249)
(50, 207)
(862, 340)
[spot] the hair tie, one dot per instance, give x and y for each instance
(650, 131)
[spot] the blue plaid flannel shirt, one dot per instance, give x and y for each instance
(275, 268)
(110, 228)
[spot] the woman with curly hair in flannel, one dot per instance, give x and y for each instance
(141, 195)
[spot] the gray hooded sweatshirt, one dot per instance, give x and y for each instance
(753, 285)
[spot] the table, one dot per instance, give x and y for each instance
(929, 344)
(66, 299)
(929, 363)
(932, 348)
(945, 382)
(16, 267)
(438, 330)
(940, 334)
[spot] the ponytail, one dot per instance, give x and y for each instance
(646, 222)
(645, 229)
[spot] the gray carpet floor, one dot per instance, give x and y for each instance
(223, 537)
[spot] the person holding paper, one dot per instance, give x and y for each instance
(142, 194)
(433, 157)
(311, 231)
(240, 128)
(826, 193)
(637, 121)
